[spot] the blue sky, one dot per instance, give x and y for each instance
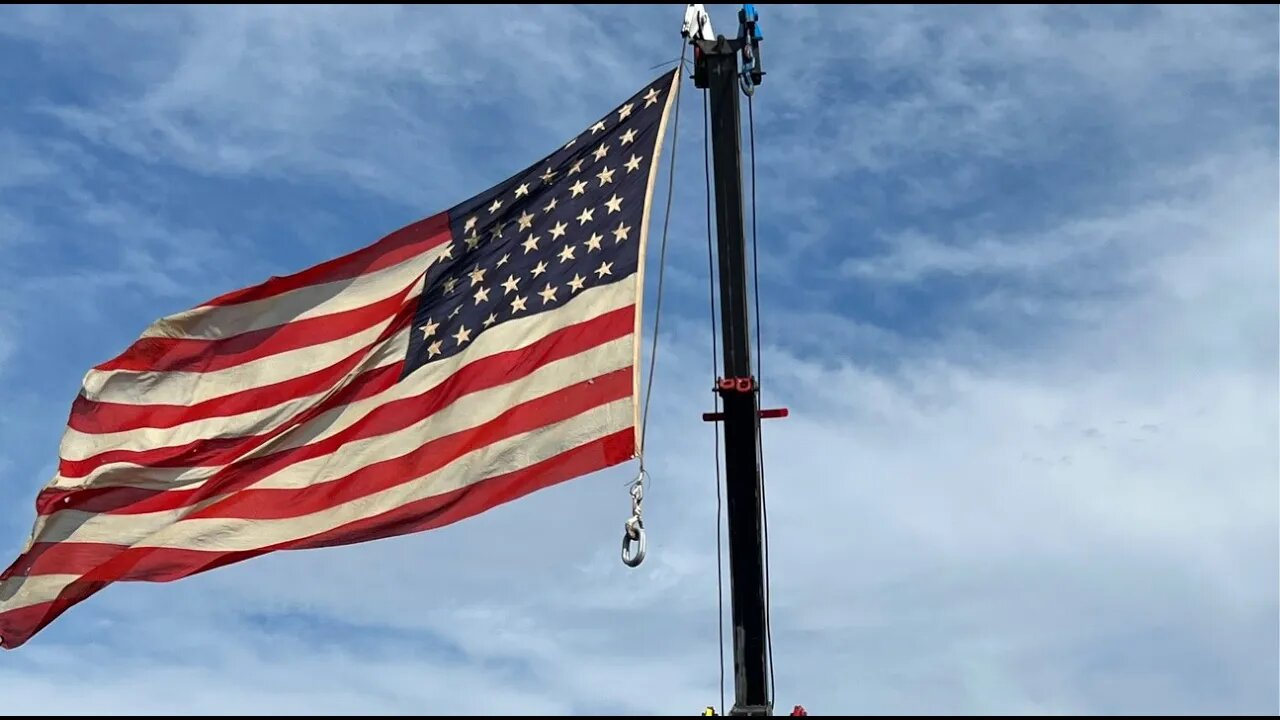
(1018, 271)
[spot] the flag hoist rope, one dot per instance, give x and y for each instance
(633, 529)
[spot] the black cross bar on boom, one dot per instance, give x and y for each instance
(716, 70)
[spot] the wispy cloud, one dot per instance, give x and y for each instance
(372, 97)
(1020, 295)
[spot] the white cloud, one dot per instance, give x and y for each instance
(204, 672)
(986, 82)
(1158, 226)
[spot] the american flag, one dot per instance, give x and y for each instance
(459, 363)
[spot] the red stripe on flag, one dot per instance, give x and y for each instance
(395, 248)
(157, 354)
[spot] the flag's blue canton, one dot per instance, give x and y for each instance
(565, 224)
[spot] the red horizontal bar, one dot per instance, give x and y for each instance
(764, 414)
